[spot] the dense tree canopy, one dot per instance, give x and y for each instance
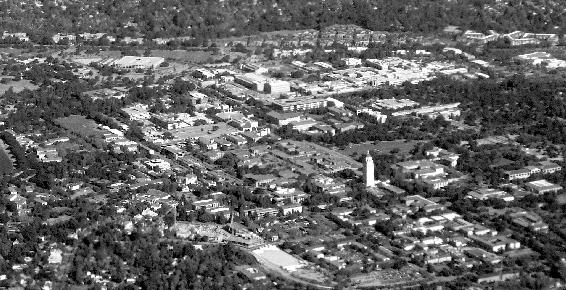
(214, 19)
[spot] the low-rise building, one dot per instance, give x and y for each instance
(487, 193)
(157, 165)
(277, 87)
(496, 243)
(206, 203)
(529, 220)
(518, 174)
(291, 208)
(328, 185)
(542, 186)
(251, 81)
(299, 103)
(262, 212)
(251, 273)
(497, 277)
(283, 119)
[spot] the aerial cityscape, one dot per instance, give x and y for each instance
(264, 144)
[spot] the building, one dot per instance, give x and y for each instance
(137, 112)
(369, 178)
(418, 202)
(260, 180)
(549, 167)
(60, 37)
(470, 36)
(377, 115)
(496, 243)
(299, 103)
(293, 195)
(48, 154)
(441, 154)
(304, 125)
(487, 193)
(277, 87)
(328, 185)
(435, 183)
(21, 36)
(422, 169)
(92, 36)
(251, 273)
(251, 81)
(529, 220)
(252, 67)
(158, 165)
(138, 62)
(292, 208)
(206, 204)
(542, 186)
(544, 167)
(283, 119)
(203, 74)
(498, 277)
(262, 212)
(518, 174)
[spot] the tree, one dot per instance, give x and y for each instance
(297, 74)
(135, 133)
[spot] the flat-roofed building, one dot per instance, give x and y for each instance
(138, 62)
(518, 174)
(251, 81)
(282, 119)
(206, 203)
(292, 208)
(277, 87)
(487, 193)
(299, 103)
(262, 212)
(542, 186)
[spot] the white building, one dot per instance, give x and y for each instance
(277, 87)
(292, 208)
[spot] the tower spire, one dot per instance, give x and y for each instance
(369, 168)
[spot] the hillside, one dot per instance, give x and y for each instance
(221, 18)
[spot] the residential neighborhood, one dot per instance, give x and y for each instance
(332, 158)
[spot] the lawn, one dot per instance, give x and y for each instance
(80, 125)
(17, 86)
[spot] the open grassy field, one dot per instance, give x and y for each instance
(17, 86)
(384, 147)
(80, 125)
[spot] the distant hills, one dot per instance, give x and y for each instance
(209, 19)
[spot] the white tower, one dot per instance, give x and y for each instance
(369, 171)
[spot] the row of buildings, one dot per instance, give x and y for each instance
(515, 38)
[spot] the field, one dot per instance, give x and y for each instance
(17, 86)
(383, 147)
(80, 125)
